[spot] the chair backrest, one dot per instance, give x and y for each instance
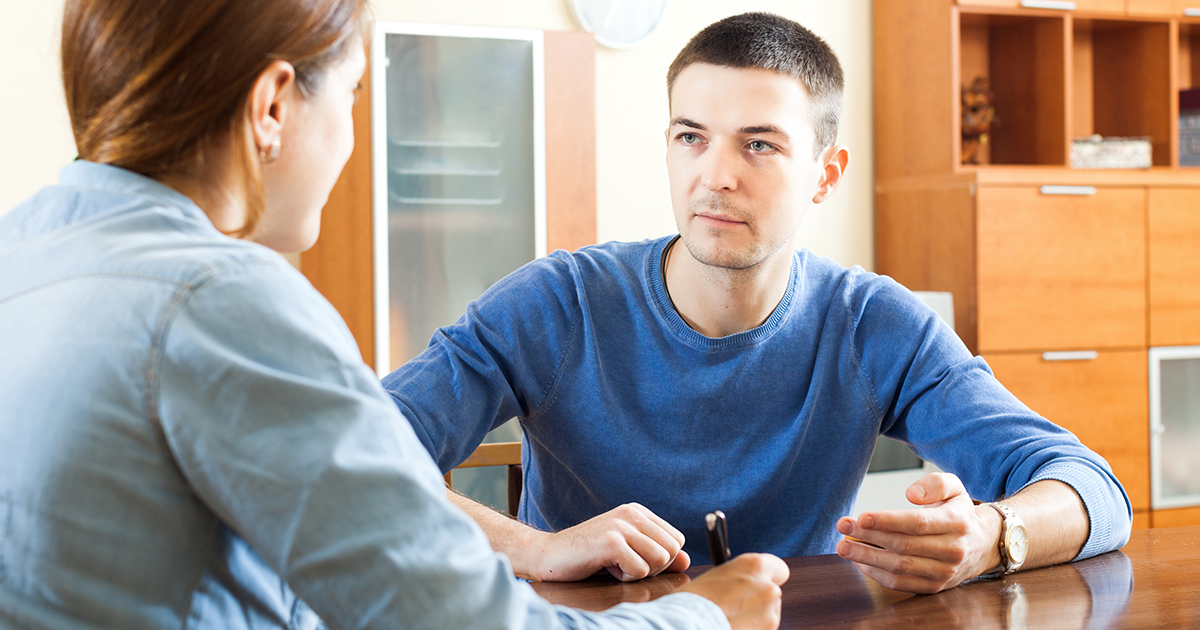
(498, 454)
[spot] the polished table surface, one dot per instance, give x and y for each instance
(1153, 582)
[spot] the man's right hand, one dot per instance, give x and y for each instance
(747, 590)
(630, 541)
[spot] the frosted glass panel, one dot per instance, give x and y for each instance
(460, 176)
(1180, 437)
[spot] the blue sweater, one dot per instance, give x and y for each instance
(621, 401)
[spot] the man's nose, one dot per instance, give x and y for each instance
(721, 163)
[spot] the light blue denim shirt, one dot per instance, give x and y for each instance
(189, 438)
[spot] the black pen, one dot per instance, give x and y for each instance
(718, 536)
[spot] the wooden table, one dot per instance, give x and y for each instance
(1153, 582)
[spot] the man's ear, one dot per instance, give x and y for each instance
(835, 159)
(271, 98)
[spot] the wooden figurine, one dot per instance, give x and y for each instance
(978, 116)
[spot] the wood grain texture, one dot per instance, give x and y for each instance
(917, 131)
(1061, 272)
(339, 265)
(1104, 402)
(1150, 583)
(925, 240)
(1174, 261)
(570, 140)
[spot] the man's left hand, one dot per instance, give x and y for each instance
(947, 541)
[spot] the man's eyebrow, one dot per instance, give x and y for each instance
(688, 123)
(746, 131)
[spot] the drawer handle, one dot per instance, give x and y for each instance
(1075, 355)
(1068, 190)
(1056, 5)
(1191, 12)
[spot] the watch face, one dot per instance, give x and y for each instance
(1018, 544)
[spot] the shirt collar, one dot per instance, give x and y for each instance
(85, 175)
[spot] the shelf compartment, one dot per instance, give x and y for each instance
(1024, 60)
(1121, 83)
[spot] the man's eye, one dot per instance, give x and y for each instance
(759, 146)
(689, 138)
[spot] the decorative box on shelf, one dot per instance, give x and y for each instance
(1111, 152)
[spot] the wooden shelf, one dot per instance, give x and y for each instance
(1024, 59)
(1110, 267)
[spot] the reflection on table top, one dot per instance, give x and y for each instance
(1153, 582)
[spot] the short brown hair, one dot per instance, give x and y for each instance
(771, 42)
(150, 84)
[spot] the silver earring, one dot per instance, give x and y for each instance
(268, 155)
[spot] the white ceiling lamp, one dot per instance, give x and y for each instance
(620, 23)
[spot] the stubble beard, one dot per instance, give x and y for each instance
(716, 253)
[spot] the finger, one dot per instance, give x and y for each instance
(916, 522)
(681, 562)
(893, 563)
(656, 557)
(935, 488)
(658, 530)
(630, 564)
(661, 523)
(764, 564)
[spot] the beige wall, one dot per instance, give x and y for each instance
(631, 107)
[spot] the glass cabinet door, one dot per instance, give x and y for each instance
(459, 169)
(1175, 427)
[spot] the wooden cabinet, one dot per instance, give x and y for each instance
(341, 265)
(1060, 272)
(1174, 266)
(1101, 400)
(1113, 271)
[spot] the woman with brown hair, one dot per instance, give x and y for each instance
(188, 436)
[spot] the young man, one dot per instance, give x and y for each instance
(722, 369)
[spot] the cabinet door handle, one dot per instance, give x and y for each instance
(1074, 355)
(1056, 5)
(1068, 190)
(1191, 12)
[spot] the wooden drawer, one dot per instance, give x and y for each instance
(1104, 402)
(1168, 8)
(1088, 6)
(1059, 272)
(1174, 266)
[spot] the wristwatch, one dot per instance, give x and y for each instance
(1014, 541)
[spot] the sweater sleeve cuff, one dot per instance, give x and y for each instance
(1107, 505)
